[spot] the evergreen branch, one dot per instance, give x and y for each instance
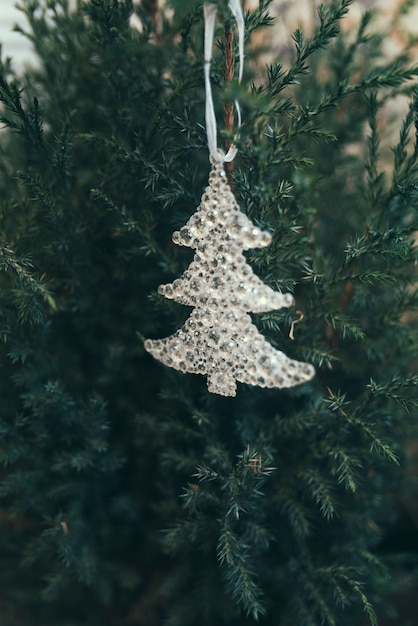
(258, 535)
(376, 442)
(296, 423)
(128, 224)
(235, 557)
(55, 583)
(379, 566)
(328, 29)
(295, 162)
(400, 154)
(345, 60)
(375, 180)
(61, 155)
(408, 300)
(195, 497)
(357, 588)
(387, 244)
(392, 75)
(279, 79)
(320, 605)
(297, 513)
(404, 182)
(339, 579)
(338, 404)
(374, 277)
(321, 356)
(344, 322)
(206, 473)
(29, 289)
(346, 468)
(28, 124)
(253, 466)
(321, 491)
(42, 193)
(178, 538)
(258, 18)
(319, 134)
(398, 389)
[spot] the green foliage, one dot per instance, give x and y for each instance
(129, 495)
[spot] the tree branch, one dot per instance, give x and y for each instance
(229, 105)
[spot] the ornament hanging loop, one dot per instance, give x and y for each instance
(210, 12)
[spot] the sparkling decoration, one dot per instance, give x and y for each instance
(219, 338)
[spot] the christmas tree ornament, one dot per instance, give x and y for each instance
(219, 338)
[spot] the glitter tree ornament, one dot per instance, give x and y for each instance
(219, 338)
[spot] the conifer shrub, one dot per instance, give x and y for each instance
(130, 496)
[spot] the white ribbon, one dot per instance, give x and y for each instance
(210, 12)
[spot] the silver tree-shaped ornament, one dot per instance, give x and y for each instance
(219, 338)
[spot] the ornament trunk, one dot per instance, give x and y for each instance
(130, 495)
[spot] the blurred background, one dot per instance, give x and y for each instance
(14, 45)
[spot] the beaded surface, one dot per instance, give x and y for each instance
(219, 338)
